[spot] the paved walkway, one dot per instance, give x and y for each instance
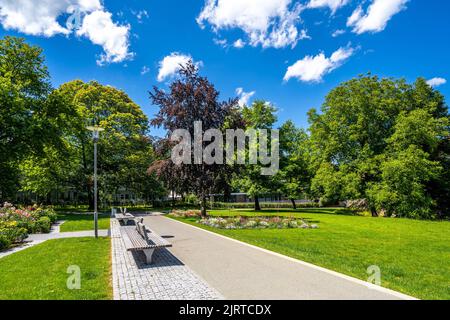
(19, 248)
(241, 271)
(166, 279)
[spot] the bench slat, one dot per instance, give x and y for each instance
(127, 216)
(134, 241)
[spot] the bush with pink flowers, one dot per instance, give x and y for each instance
(17, 223)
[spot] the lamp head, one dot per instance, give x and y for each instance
(95, 131)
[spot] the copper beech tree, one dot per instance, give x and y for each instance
(191, 98)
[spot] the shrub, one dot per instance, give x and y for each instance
(45, 212)
(43, 225)
(16, 223)
(11, 233)
(5, 242)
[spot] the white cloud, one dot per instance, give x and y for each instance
(378, 15)
(43, 19)
(145, 70)
(140, 15)
(221, 42)
(101, 30)
(338, 33)
(28, 17)
(244, 97)
(332, 4)
(355, 17)
(170, 65)
(269, 23)
(436, 82)
(239, 43)
(304, 35)
(314, 68)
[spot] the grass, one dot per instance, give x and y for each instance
(414, 256)
(40, 272)
(82, 222)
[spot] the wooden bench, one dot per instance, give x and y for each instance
(140, 238)
(124, 217)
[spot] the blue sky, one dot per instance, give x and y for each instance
(116, 41)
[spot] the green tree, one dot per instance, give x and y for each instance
(365, 128)
(191, 98)
(29, 121)
(125, 150)
(260, 115)
(294, 175)
(402, 190)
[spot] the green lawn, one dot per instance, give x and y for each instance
(40, 272)
(414, 256)
(82, 222)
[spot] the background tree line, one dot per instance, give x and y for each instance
(380, 144)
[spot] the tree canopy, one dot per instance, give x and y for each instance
(370, 127)
(191, 98)
(29, 122)
(44, 144)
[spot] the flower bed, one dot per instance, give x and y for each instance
(186, 214)
(17, 223)
(256, 223)
(244, 222)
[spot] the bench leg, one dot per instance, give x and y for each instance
(148, 255)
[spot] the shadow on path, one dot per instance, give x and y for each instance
(161, 258)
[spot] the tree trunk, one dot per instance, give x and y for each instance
(257, 205)
(203, 206)
(374, 212)
(173, 199)
(91, 201)
(293, 204)
(227, 193)
(48, 200)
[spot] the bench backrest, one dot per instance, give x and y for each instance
(137, 220)
(142, 230)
